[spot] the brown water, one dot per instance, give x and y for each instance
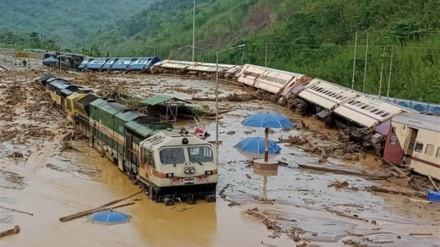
(61, 183)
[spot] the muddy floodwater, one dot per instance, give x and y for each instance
(287, 207)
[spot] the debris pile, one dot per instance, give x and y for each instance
(325, 146)
(11, 180)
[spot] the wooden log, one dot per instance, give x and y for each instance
(340, 171)
(14, 230)
(398, 190)
(342, 214)
(18, 211)
(433, 183)
(397, 169)
(418, 200)
(120, 200)
(100, 207)
(91, 211)
(420, 234)
(206, 99)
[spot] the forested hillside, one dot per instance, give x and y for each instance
(314, 37)
(65, 21)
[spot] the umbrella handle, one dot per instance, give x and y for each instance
(266, 144)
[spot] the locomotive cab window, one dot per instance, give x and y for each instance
(200, 154)
(147, 158)
(172, 156)
(438, 153)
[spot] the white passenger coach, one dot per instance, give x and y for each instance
(327, 95)
(368, 111)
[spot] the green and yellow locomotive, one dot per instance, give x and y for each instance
(168, 164)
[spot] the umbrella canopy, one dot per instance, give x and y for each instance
(50, 60)
(110, 217)
(267, 120)
(256, 145)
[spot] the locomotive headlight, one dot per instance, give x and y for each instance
(189, 170)
(170, 175)
(208, 173)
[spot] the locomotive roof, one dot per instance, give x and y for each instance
(419, 120)
(172, 138)
(87, 99)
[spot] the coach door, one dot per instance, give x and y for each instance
(409, 144)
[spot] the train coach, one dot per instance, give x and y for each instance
(142, 63)
(324, 97)
(170, 165)
(96, 64)
(414, 142)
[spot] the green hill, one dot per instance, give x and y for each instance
(314, 37)
(67, 22)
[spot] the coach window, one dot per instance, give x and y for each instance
(418, 147)
(429, 149)
(172, 156)
(393, 140)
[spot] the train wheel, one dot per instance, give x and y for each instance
(211, 198)
(191, 200)
(151, 192)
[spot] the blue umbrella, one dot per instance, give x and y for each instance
(267, 120)
(256, 145)
(109, 217)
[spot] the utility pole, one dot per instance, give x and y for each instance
(242, 57)
(265, 57)
(354, 60)
(194, 31)
(365, 67)
(390, 72)
(387, 58)
(381, 72)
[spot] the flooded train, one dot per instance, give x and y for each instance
(167, 164)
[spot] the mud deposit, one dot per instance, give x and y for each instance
(287, 207)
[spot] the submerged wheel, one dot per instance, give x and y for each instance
(152, 193)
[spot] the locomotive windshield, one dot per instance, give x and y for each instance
(200, 154)
(176, 155)
(171, 156)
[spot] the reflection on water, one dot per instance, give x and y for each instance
(265, 174)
